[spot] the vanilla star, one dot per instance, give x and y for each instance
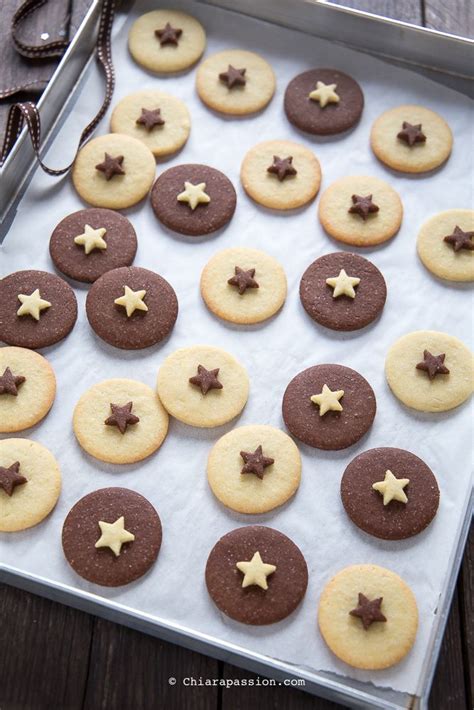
(91, 239)
(114, 535)
(328, 401)
(132, 301)
(255, 572)
(32, 305)
(343, 284)
(325, 94)
(392, 488)
(194, 194)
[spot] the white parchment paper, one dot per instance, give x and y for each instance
(175, 478)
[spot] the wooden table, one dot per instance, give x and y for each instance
(56, 658)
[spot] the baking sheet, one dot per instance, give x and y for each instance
(174, 479)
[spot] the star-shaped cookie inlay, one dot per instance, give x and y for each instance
(255, 572)
(114, 535)
(411, 134)
(363, 206)
(122, 416)
(368, 610)
(433, 364)
(243, 279)
(11, 477)
(328, 401)
(150, 118)
(32, 305)
(91, 239)
(460, 239)
(282, 167)
(343, 284)
(325, 94)
(206, 379)
(194, 195)
(233, 77)
(111, 166)
(168, 35)
(391, 488)
(10, 382)
(255, 462)
(132, 301)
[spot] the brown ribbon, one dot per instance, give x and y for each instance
(27, 111)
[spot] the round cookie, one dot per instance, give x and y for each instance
(114, 171)
(360, 210)
(243, 285)
(235, 82)
(329, 407)
(30, 483)
(217, 393)
(389, 493)
(132, 308)
(254, 469)
(112, 536)
(411, 139)
(166, 41)
(444, 378)
(281, 174)
(87, 243)
(446, 245)
(27, 388)
(193, 199)
(323, 102)
(160, 121)
(268, 563)
(343, 291)
(120, 421)
(37, 309)
(382, 601)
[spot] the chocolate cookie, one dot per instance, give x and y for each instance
(132, 308)
(37, 309)
(323, 101)
(329, 406)
(87, 243)
(193, 199)
(343, 291)
(112, 536)
(389, 493)
(256, 575)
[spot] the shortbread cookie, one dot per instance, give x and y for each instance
(254, 469)
(368, 617)
(160, 121)
(120, 421)
(243, 285)
(360, 210)
(411, 139)
(323, 101)
(446, 245)
(112, 536)
(27, 388)
(37, 309)
(132, 308)
(114, 171)
(281, 174)
(166, 41)
(235, 82)
(256, 575)
(86, 244)
(203, 386)
(430, 371)
(30, 483)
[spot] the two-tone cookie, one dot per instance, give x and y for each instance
(445, 245)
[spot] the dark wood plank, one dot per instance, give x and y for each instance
(466, 604)
(406, 10)
(454, 16)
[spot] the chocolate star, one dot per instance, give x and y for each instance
(433, 364)
(150, 118)
(111, 166)
(168, 35)
(411, 134)
(10, 478)
(243, 279)
(368, 610)
(282, 167)
(233, 77)
(9, 382)
(206, 379)
(363, 206)
(121, 417)
(255, 463)
(460, 239)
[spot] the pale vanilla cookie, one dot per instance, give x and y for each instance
(120, 421)
(368, 617)
(446, 245)
(166, 41)
(30, 483)
(430, 371)
(254, 469)
(235, 82)
(27, 388)
(160, 121)
(281, 174)
(203, 386)
(360, 210)
(114, 171)
(411, 139)
(243, 285)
